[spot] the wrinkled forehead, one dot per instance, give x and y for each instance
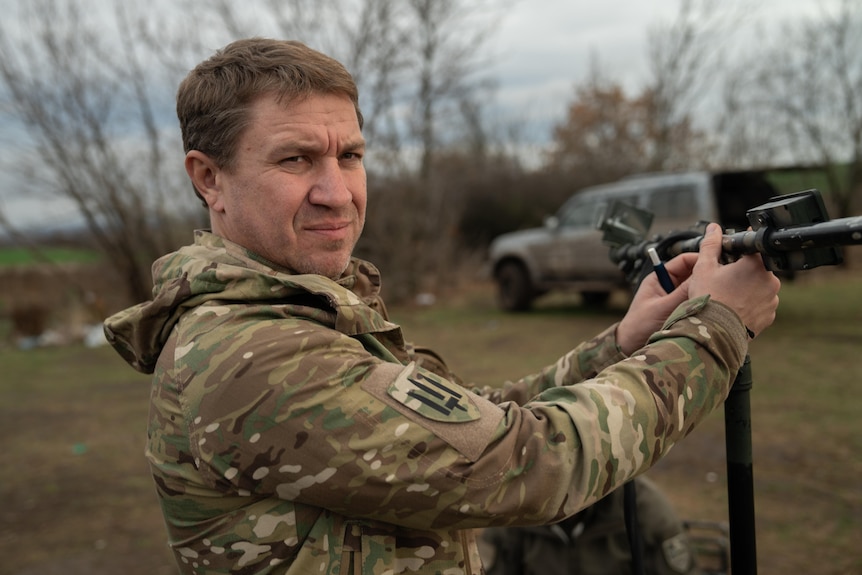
(320, 123)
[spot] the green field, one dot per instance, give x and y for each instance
(77, 498)
(23, 256)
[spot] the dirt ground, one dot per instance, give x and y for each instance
(77, 497)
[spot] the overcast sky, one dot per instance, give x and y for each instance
(540, 50)
(545, 46)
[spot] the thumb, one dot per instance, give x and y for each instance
(710, 245)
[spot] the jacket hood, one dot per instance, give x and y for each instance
(215, 269)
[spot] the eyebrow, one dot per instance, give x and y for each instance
(353, 145)
(310, 146)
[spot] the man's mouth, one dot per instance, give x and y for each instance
(332, 230)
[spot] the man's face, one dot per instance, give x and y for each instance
(296, 193)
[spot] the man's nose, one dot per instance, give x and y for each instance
(330, 187)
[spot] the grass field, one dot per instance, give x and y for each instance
(23, 256)
(77, 499)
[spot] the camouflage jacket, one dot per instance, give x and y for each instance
(292, 431)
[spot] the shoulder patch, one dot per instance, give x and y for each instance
(431, 396)
(445, 410)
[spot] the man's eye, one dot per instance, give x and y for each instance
(294, 159)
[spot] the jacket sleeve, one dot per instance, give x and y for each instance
(583, 362)
(289, 409)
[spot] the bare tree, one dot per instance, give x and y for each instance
(95, 132)
(684, 58)
(746, 136)
(446, 57)
(809, 83)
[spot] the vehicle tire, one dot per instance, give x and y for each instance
(514, 292)
(595, 299)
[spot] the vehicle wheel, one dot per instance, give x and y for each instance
(514, 292)
(595, 298)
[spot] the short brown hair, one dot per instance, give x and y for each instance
(214, 99)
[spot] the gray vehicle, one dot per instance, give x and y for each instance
(568, 253)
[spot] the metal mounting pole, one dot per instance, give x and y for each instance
(740, 474)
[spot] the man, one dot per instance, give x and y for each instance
(595, 542)
(292, 429)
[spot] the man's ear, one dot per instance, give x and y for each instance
(203, 172)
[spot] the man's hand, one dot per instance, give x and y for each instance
(651, 305)
(745, 286)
